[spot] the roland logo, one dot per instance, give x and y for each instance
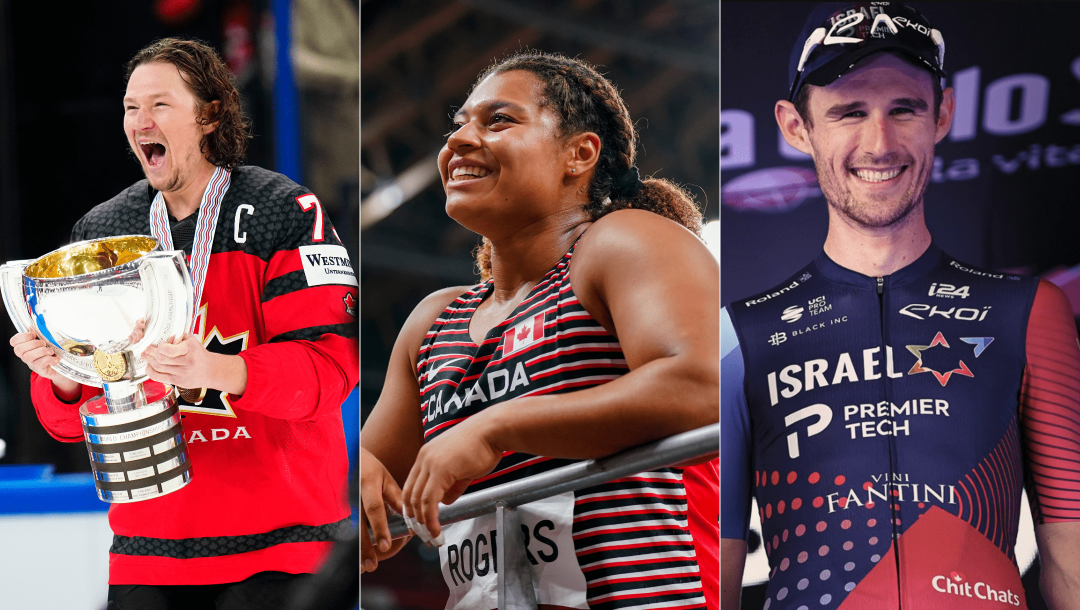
(793, 285)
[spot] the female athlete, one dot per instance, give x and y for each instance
(595, 330)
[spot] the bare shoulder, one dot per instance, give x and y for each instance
(393, 432)
(627, 238)
(433, 304)
(630, 255)
(424, 315)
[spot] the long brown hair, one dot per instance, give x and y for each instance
(210, 80)
(586, 101)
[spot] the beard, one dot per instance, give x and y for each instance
(165, 184)
(876, 211)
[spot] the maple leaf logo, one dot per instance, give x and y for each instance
(526, 333)
(215, 402)
(350, 304)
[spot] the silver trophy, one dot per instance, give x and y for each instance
(99, 304)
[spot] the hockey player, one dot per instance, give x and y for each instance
(274, 345)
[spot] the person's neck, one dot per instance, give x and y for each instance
(185, 200)
(519, 261)
(877, 252)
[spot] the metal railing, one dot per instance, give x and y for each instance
(515, 589)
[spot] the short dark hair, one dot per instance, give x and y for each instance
(211, 81)
(802, 98)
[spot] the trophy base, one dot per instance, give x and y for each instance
(138, 454)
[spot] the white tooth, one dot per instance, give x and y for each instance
(870, 175)
(470, 170)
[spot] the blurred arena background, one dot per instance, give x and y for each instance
(419, 59)
(1003, 188)
(63, 150)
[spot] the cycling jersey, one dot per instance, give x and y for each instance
(886, 426)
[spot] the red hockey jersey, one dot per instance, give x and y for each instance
(269, 468)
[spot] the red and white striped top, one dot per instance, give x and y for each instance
(631, 535)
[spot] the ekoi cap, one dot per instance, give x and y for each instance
(838, 34)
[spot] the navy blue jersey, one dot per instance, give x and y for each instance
(885, 426)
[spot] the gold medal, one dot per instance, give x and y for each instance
(111, 367)
(192, 395)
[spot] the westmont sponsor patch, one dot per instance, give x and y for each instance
(327, 264)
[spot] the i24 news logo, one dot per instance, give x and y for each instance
(948, 291)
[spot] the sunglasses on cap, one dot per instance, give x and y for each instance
(839, 34)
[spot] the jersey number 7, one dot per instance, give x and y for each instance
(306, 203)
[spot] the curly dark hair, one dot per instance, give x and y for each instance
(586, 101)
(211, 81)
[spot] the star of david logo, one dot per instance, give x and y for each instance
(943, 378)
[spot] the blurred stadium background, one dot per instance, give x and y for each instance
(418, 60)
(63, 150)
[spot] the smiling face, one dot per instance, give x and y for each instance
(872, 139)
(161, 128)
(504, 162)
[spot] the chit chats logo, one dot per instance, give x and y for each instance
(957, 584)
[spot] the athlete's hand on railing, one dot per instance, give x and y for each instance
(445, 467)
(377, 489)
(36, 354)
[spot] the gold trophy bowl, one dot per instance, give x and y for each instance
(99, 304)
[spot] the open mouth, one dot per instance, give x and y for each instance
(878, 175)
(468, 172)
(153, 152)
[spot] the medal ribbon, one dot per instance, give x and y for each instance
(204, 230)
